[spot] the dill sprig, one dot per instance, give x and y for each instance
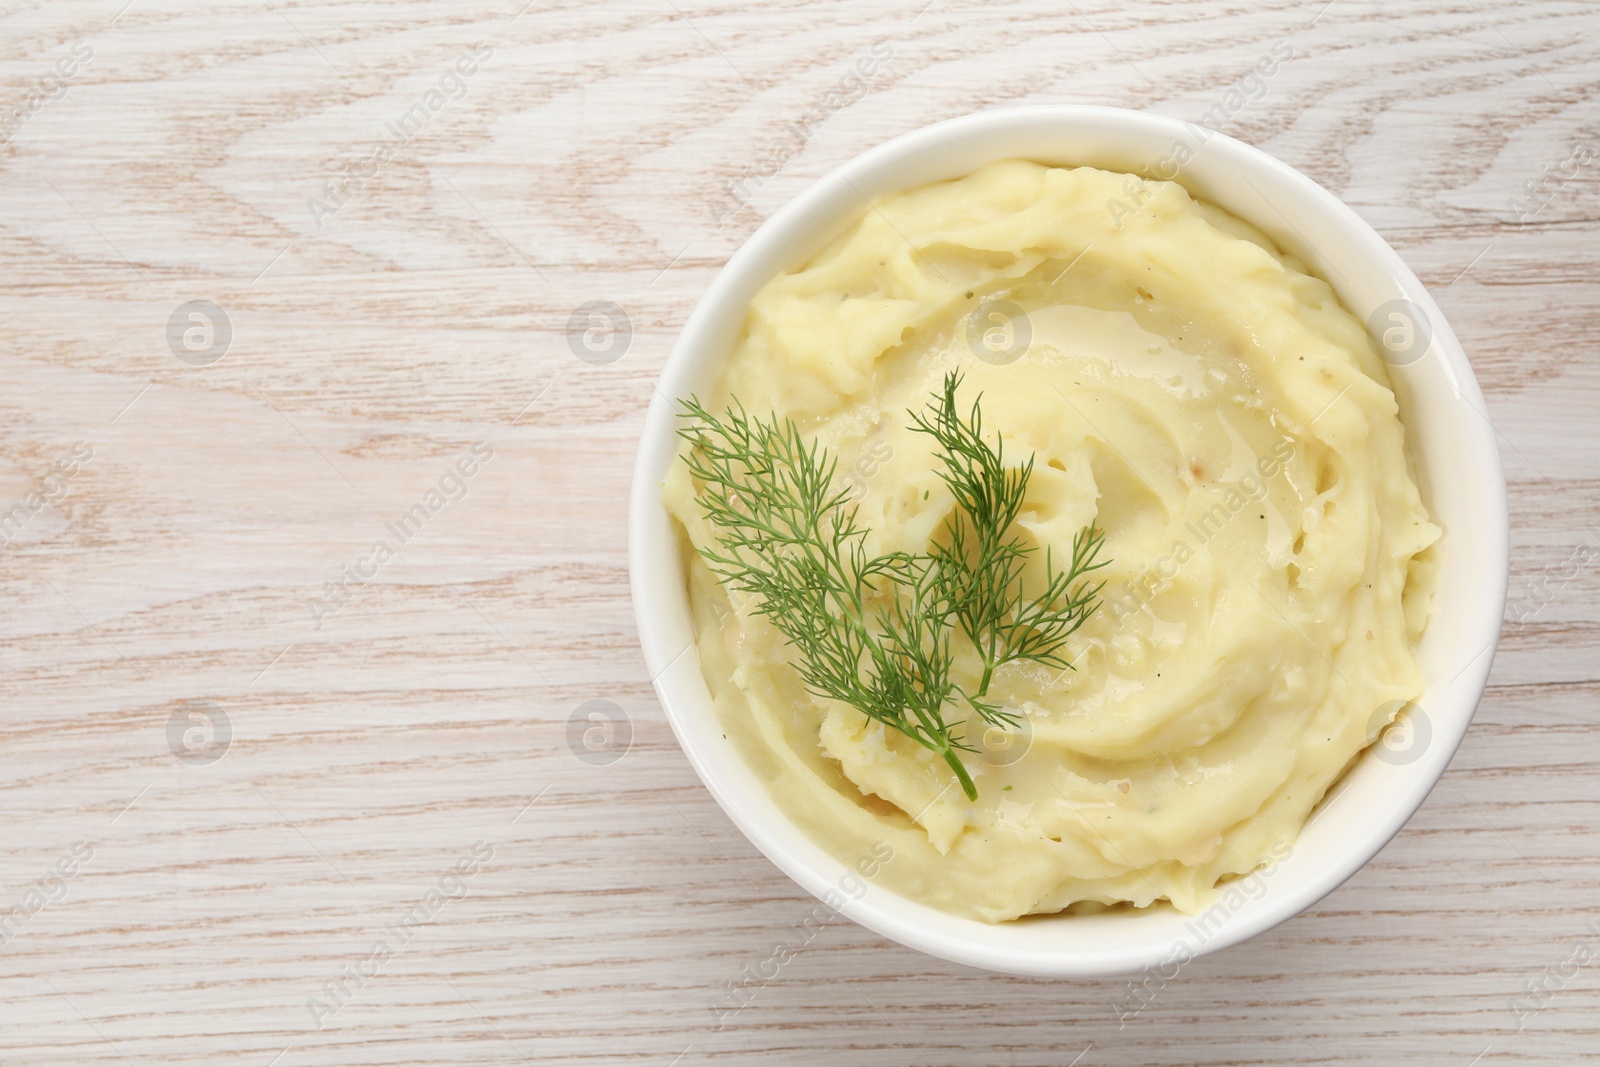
(878, 632)
(984, 561)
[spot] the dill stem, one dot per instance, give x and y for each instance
(954, 761)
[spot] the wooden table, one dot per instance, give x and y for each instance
(242, 749)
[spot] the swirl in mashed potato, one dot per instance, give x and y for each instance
(1225, 422)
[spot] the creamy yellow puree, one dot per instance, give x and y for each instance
(1222, 418)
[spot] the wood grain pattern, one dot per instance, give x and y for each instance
(588, 159)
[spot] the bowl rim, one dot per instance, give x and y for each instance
(655, 606)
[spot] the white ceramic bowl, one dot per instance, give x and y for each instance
(1451, 438)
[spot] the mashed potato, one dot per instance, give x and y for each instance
(1224, 421)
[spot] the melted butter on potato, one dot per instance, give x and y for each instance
(1225, 422)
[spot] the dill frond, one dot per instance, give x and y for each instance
(877, 632)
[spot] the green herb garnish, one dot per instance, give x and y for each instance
(878, 632)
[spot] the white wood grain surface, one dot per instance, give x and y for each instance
(370, 749)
